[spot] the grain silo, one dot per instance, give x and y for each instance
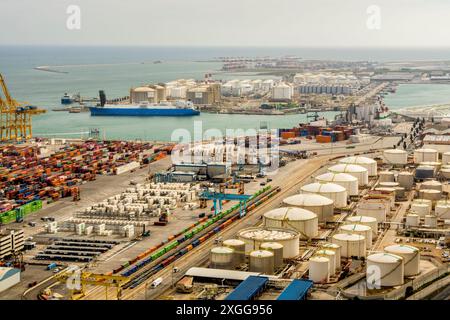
(319, 269)
(301, 220)
(254, 237)
(349, 182)
(322, 206)
(421, 155)
(395, 156)
(332, 191)
(384, 270)
(239, 250)
(358, 172)
(222, 258)
(360, 229)
(352, 245)
(410, 255)
(277, 249)
(368, 163)
(406, 180)
(262, 261)
(367, 221)
(331, 255)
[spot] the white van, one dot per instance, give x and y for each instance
(157, 282)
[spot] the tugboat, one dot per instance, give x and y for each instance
(66, 99)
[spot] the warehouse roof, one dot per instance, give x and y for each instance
(6, 273)
(248, 289)
(220, 273)
(296, 290)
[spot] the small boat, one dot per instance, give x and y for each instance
(67, 99)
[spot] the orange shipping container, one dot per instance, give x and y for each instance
(323, 139)
(288, 134)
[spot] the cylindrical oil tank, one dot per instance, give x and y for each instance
(446, 158)
(388, 184)
(319, 269)
(412, 220)
(406, 180)
(410, 255)
(375, 208)
(424, 172)
(352, 245)
(421, 209)
(395, 156)
(442, 209)
(432, 184)
(387, 190)
(349, 182)
(262, 261)
(384, 270)
(399, 192)
(332, 191)
(435, 165)
(421, 155)
(361, 229)
(387, 176)
(254, 237)
(368, 163)
(239, 250)
(301, 220)
(358, 172)
(222, 258)
(445, 172)
(431, 221)
(337, 250)
(277, 249)
(331, 255)
(367, 221)
(430, 194)
(322, 206)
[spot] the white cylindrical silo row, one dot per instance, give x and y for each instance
(332, 191)
(410, 255)
(349, 182)
(322, 206)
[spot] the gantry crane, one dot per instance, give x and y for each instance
(15, 117)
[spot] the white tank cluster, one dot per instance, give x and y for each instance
(357, 171)
(254, 237)
(332, 191)
(421, 207)
(322, 206)
(352, 245)
(222, 258)
(430, 194)
(395, 157)
(239, 250)
(360, 229)
(410, 255)
(384, 270)
(349, 182)
(442, 209)
(422, 155)
(331, 255)
(301, 220)
(368, 163)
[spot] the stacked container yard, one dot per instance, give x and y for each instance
(322, 206)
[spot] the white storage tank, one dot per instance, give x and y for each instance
(349, 182)
(388, 184)
(367, 221)
(352, 245)
(239, 250)
(445, 158)
(412, 220)
(421, 209)
(377, 209)
(332, 191)
(322, 206)
(358, 172)
(301, 220)
(262, 261)
(410, 255)
(395, 156)
(331, 255)
(422, 155)
(445, 172)
(406, 180)
(368, 163)
(430, 194)
(361, 229)
(319, 269)
(384, 270)
(222, 258)
(432, 184)
(254, 237)
(442, 209)
(430, 221)
(277, 249)
(387, 176)
(337, 250)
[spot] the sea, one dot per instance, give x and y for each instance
(86, 70)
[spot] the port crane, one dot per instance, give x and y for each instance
(15, 117)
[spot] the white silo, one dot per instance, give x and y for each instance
(337, 250)
(349, 182)
(384, 270)
(358, 172)
(332, 191)
(412, 220)
(222, 258)
(360, 229)
(422, 155)
(387, 176)
(432, 184)
(406, 180)
(331, 255)
(442, 209)
(277, 249)
(395, 156)
(254, 237)
(367, 221)
(318, 269)
(368, 163)
(410, 255)
(262, 261)
(352, 245)
(430, 221)
(322, 206)
(445, 158)
(301, 220)
(239, 250)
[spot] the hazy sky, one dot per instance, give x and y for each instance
(301, 23)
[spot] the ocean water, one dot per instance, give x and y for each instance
(116, 69)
